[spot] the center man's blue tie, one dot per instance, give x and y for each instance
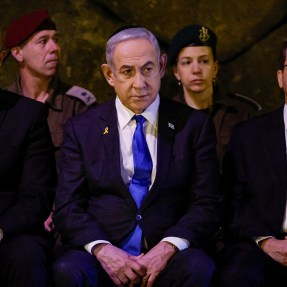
(140, 182)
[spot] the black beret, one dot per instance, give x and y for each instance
(192, 35)
(25, 26)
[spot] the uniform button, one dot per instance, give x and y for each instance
(139, 217)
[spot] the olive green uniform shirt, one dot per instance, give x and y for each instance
(64, 101)
(227, 110)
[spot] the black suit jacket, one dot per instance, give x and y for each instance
(256, 172)
(27, 165)
(93, 203)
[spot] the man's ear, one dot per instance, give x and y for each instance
(107, 71)
(162, 64)
(279, 78)
(17, 54)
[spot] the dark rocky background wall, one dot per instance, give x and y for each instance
(250, 34)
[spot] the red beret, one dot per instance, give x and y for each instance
(25, 26)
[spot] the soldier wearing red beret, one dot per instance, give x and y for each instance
(33, 41)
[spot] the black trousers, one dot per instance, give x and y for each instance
(25, 261)
(244, 264)
(188, 268)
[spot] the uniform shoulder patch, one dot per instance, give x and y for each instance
(85, 95)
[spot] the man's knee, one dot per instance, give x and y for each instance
(25, 262)
(190, 267)
(240, 277)
(200, 266)
(75, 268)
(242, 265)
(27, 251)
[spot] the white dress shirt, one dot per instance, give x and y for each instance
(127, 127)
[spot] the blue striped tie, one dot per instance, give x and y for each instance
(140, 182)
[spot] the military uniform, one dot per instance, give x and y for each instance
(64, 102)
(228, 110)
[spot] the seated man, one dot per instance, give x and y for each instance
(256, 169)
(138, 195)
(28, 180)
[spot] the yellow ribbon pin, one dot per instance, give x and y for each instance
(106, 131)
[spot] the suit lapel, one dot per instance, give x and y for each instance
(108, 127)
(7, 101)
(274, 147)
(166, 132)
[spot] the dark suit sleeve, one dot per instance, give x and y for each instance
(244, 188)
(34, 174)
(76, 225)
(205, 205)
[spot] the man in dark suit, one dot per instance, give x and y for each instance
(98, 214)
(256, 169)
(27, 186)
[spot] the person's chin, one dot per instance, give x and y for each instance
(141, 100)
(52, 71)
(139, 107)
(197, 89)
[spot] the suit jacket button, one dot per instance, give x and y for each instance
(139, 217)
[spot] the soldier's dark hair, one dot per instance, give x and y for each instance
(282, 56)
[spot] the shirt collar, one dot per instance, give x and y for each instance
(125, 114)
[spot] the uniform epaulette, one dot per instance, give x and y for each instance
(78, 92)
(248, 100)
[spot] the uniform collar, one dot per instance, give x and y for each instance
(56, 92)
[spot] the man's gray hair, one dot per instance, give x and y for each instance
(130, 34)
